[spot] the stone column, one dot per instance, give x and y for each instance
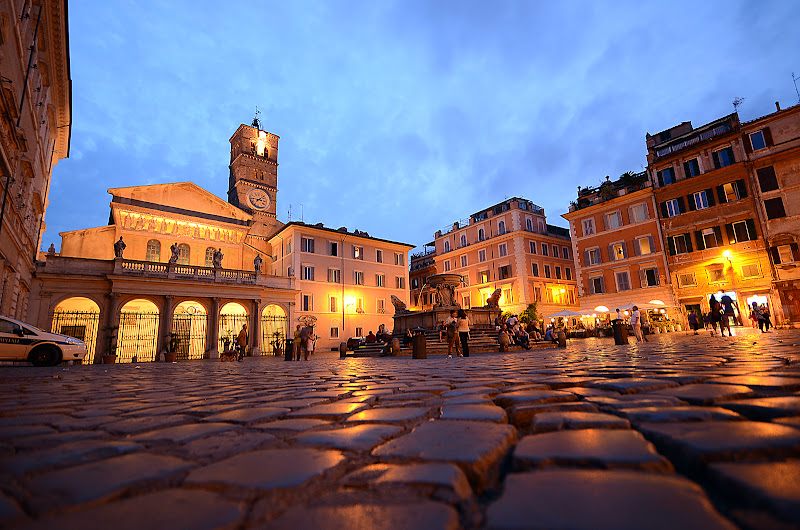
(109, 331)
(255, 326)
(212, 333)
(165, 325)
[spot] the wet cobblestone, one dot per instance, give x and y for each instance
(683, 431)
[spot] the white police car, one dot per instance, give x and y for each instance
(23, 342)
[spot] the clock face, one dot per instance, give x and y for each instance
(258, 199)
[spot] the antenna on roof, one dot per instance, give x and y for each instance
(256, 122)
(736, 103)
(795, 86)
(290, 213)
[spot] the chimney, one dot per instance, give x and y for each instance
(778, 106)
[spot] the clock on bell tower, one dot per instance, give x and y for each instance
(253, 183)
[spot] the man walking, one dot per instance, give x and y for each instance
(452, 337)
(241, 342)
(636, 322)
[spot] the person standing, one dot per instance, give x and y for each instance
(241, 342)
(767, 320)
(727, 314)
(636, 323)
(452, 337)
(463, 331)
(296, 344)
(693, 323)
(716, 314)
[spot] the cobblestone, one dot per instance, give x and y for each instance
(684, 431)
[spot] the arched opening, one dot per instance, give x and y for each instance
(232, 316)
(153, 250)
(80, 318)
(189, 323)
(210, 257)
(274, 327)
(137, 338)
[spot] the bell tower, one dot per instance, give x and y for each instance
(253, 182)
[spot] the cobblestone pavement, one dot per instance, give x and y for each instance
(682, 432)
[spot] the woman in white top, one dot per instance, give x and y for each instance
(462, 326)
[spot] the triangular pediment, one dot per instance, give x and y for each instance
(179, 197)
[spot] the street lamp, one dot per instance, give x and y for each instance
(727, 256)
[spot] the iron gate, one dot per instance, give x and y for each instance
(273, 334)
(79, 324)
(229, 328)
(137, 337)
(190, 332)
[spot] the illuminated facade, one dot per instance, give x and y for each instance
(509, 246)
(35, 128)
(346, 279)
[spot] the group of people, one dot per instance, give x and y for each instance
(456, 329)
(522, 334)
(636, 323)
(722, 311)
(303, 343)
(382, 336)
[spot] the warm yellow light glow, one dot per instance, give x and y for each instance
(601, 309)
(625, 313)
(727, 254)
(563, 291)
(656, 302)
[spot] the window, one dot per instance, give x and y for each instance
(732, 191)
(612, 220)
(545, 251)
(558, 272)
(708, 238)
(483, 277)
(723, 157)
(757, 140)
(532, 245)
(687, 280)
(414, 283)
(680, 244)
(359, 305)
(673, 207)
(398, 259)
(210, 257)
(334, 332)
(334, 305)
(307, 272)
(481, 234)
(481, 256)
(588, 227)
(597, 285)
(381, 305)
(644, 245)
(618, 251)
(359, 332)
(464, 260)
(463, 240)
(465, 302)
(774, 208)
(767, 180)
(565, 252)
(507, 296)
(334, 248)
(504, 272)
(741, 231)
(716, 274)
(379, 256)
(691, 168)
(334, 276)
(700, 200)
(183, 254)
(547, 271)
(529, 224)
(501, 228)
(751, 271)
(358, 277)
(535, 269)
(307, 303)
(785, 254)
(400, 282)
(380, 280)
(502, 250)
(153, 250)
(447, 246)
(358, 252)
(666, 176)
(306, 244)
(537, 294)
(623, 281)
(555, 251)
(288, 247)
(568, 273)
(592, 257)
(447, 265)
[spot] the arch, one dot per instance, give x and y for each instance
(463, 240)
(153, 250)
(232, 316)
(501, 227)
(78, 317)
(189, 324)
(209, 256)
(481, 234)
(447, 246)
(274, 329)
(184, 253)
(137, 337)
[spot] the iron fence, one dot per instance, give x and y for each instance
(189, 332)
(137, 340)
(229, 328)
(81, 325)
(273, 334)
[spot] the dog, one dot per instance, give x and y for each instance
(227, 355)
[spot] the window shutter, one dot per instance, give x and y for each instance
(624, 249)
(721, 197)
(690, 199)
(652, 243)
(585, 258)
(602, 284)
(795, 251)
(710, 197)
(637, 251)
(643, 277)
(591, 286)
(611, 256)
(664, 212)
(741, 188)
(660, 179)
(748, 147)
(718, 235)
(751, 229)
(767, 136)
(671, 245)
(630, 215)
(605, 222)
(646, 211)
(776, 256)
(715, 156)
(698, 236)
(686, 172)
(681, 205)
(688, 239)
(730, 232)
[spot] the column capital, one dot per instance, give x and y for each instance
(169, 296)
(113, 295)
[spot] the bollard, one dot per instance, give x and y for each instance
(395, 347)
(419, 346)
(289, 350)
(562, 339)
(342, 350)
(503, 341)
(620, 332)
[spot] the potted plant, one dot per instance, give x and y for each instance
(171, 355)
(111, 356)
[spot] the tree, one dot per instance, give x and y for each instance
(529, 315)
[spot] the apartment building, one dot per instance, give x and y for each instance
(772, 146)
(346, 279)
(509, 246)
(422, 297)
(708, 214)
(618, 253)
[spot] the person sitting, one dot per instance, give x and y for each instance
(548, 335)
(408, 337)
(522, 338)
(371, 338)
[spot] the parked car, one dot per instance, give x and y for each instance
(23, 342)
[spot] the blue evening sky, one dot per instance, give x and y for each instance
(401, 117)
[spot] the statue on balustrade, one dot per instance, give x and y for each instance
(174, 257)
(257, 262)
(119, 247)
(218, 258)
